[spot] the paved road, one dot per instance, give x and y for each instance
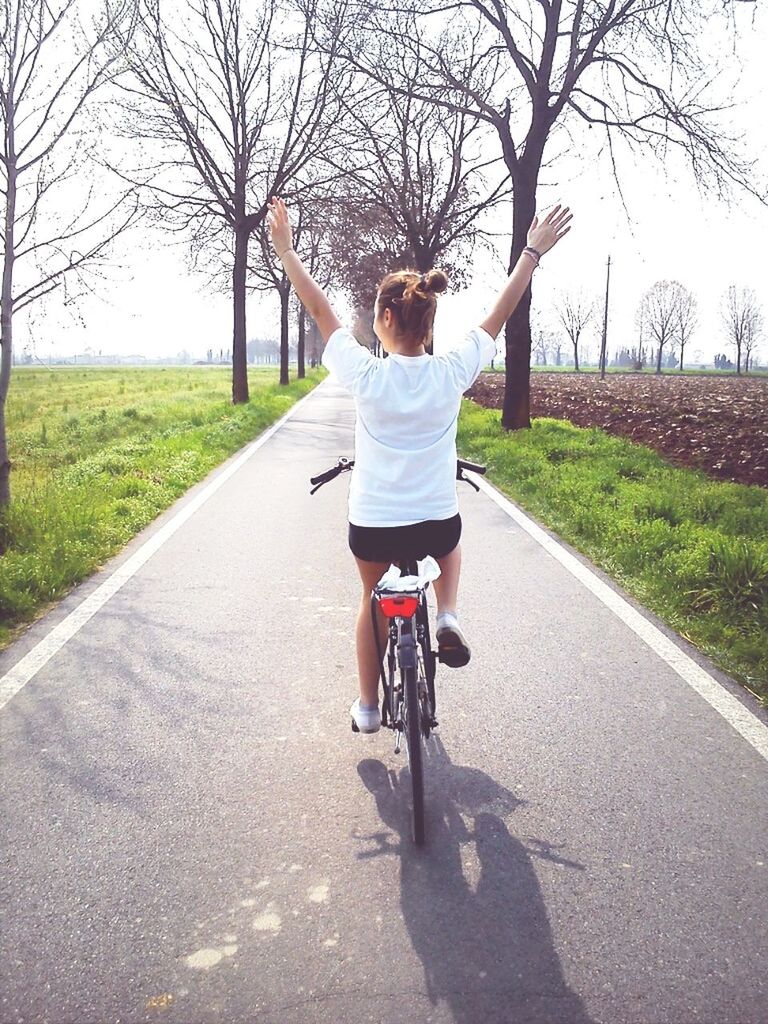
(193, 834)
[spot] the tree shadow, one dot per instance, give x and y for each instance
(484, 941)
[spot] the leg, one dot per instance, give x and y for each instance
(451, 643)
(367, 658)
(447, 584)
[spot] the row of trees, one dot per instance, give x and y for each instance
(389, 128)
(666, 318)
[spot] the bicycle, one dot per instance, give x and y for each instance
(409, 703)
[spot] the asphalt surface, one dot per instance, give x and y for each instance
(192, 833)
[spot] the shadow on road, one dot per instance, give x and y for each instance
(470, 898)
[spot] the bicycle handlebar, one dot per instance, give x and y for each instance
(341, 466)
(344, 465)
(463, 464)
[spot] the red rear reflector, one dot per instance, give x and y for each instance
(405, 606)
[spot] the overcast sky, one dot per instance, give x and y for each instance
(153, 306)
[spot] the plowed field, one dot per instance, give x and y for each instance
(716, 424)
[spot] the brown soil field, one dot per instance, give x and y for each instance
(716, 424)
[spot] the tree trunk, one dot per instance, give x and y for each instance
(313, 339)
(300, 373)
(576, 354)
(239, 348)
(516, 413)
(285, 291)
(658, 359)
(6, 309)
(423, 258)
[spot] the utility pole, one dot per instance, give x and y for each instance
(605, 323)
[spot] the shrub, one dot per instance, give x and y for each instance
(736, 577)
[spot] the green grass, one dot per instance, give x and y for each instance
(98, 453)
(693, 550)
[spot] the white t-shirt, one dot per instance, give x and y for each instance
(405, 431)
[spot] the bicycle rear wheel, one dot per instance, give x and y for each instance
(428, 697)
(412, 713)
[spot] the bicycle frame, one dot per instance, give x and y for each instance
(408, 638)
(408, 701)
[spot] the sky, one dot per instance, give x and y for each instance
(152, 305)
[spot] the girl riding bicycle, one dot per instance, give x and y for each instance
(402, 496)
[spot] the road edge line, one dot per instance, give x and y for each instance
(739, 717)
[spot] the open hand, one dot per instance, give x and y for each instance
(542, 237)
(279, 225)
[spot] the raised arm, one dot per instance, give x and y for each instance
(541, 238)
(312, 296)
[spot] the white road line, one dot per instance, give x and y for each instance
(714, 693)
(42, 652)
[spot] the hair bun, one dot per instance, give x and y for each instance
(434, 282)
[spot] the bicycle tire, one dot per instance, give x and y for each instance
(413, 734)
(428, 660)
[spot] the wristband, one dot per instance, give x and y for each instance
(533, 253)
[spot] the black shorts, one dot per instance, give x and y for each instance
(436, 537)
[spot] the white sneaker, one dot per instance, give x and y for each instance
(452, 646)
(365, 720)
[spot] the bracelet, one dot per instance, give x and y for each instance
(286, 251)
(533, 253)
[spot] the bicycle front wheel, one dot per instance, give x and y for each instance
(412, 711)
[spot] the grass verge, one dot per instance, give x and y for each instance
(691, 549)
(99, 453)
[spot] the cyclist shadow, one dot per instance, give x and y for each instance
(485, 942)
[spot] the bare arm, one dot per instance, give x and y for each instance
(312, 296)
(510, 295)
(541, 237)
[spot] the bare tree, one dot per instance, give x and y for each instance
(266, 272)
(534, 70)
(319, 261)
(557, 348)
(752, 337)
(575, 310)
(364, 247)
(640, 354)
(237, 105)
(542, 345)
(687, 319)
(742, 320)
(659, 314)
(424, 168)
(56, 231)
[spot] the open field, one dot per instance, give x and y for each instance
(648, 371)
(98, 453)
(717, 424)
(691, 549)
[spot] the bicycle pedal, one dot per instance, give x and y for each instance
(454, 657)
